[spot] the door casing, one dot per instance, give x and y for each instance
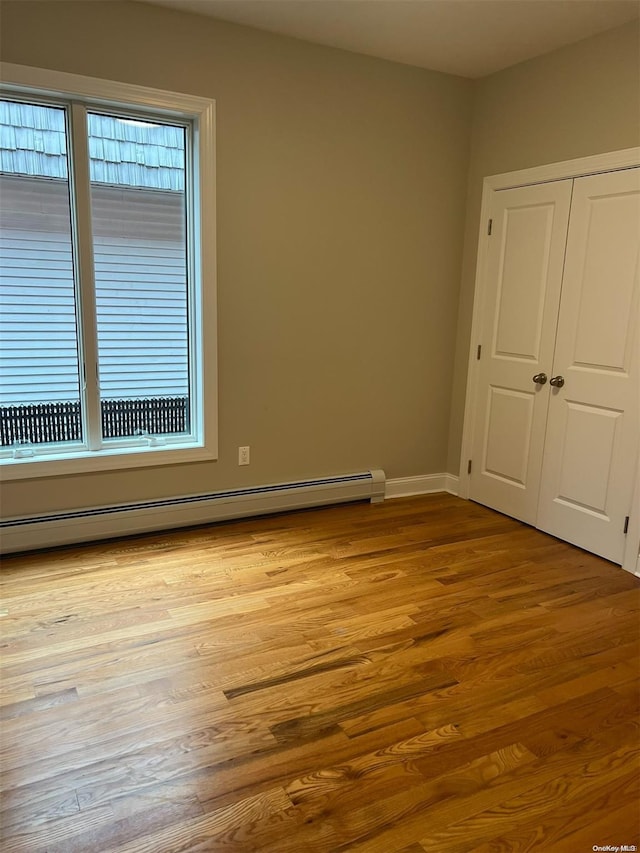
(615, 160)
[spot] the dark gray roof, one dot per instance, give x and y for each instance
(33, 142)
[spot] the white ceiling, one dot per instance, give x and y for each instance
(471, 38)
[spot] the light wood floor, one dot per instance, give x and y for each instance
(422, 675)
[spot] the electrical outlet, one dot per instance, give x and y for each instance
(244, 455)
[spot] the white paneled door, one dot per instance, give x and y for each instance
(592, 429)
(556, 425)
(523, 282)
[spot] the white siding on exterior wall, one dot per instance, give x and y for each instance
(140, 293)
(140, 290)
(38, 356)
(38, 360)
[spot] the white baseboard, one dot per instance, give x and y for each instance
(85, 525)
(404, 487)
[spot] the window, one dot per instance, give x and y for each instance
(107, 328)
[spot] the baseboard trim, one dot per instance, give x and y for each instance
(25, 534)
(106, 522)
(404, 487)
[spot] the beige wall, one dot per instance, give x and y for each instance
(582, 99)
(342, 185)
(341, 198)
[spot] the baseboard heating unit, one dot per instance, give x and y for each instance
(85, 525)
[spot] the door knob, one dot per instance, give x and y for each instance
(540, 378)
(557, 381)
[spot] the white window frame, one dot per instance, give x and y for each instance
(25, 81)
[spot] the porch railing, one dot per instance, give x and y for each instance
(46, 422)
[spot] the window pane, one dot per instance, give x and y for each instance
(139, 234)
(39, 375)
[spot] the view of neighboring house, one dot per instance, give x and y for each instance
(137, 173)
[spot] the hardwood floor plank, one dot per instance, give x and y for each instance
(332, 781)
(419, 675)
(584, 835)
(38, 839)
(230, 781)
(328, 827)
(444, 798)
(141, 817)
(584, 794)
(229, 828)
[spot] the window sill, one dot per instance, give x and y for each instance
(85, 462)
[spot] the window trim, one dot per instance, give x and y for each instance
(28, 81)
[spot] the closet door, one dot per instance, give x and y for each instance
(523, 278)
(592, 435)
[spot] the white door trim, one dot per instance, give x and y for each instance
(624, 159)
(631, 559)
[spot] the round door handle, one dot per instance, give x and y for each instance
(557, 381)
(540, 378)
